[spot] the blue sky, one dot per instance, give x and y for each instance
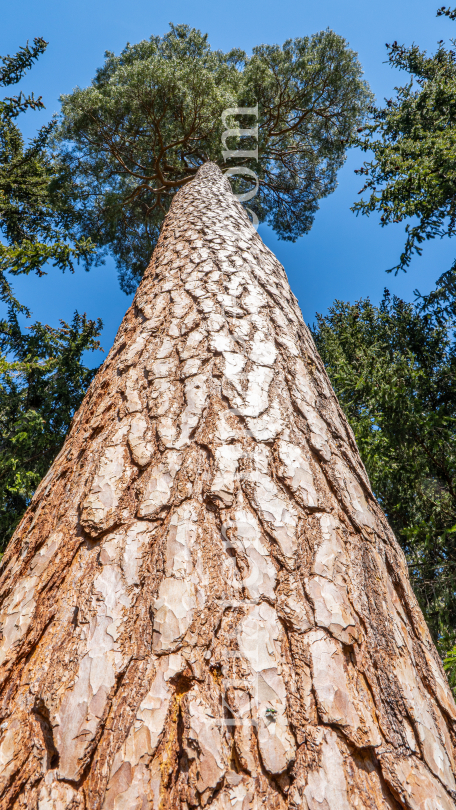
(343, 256)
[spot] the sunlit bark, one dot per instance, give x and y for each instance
(204, 604)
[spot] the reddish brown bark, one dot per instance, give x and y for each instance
(204, 604)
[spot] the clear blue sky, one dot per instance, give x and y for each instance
(344, 256)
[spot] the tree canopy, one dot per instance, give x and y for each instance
(42, 382)
(37, 211)
(42, 376)
(411, 177)
(393, 368)
(153, 115)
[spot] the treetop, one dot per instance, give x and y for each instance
(153, 114)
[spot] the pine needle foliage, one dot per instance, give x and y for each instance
(153, 115)
(393, 368)
(411, 177)
(42, 376)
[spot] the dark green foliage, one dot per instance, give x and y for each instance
(404, 415)
(152, 116)
(447, 12)
(39, 393)
(37, 211)
(42, 378)
(393, 368)
(412, 176)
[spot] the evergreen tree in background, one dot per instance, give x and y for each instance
(37, 212)
(412, 176)
(153, 115)
(393, 368)
(42, 377)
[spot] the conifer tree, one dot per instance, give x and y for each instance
(42, 376)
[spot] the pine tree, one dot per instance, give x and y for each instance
(281, 119)
(393, 369)
(42, 376)
(204, 604)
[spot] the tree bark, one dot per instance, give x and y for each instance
(204, 604)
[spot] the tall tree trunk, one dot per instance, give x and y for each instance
(204, 604)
